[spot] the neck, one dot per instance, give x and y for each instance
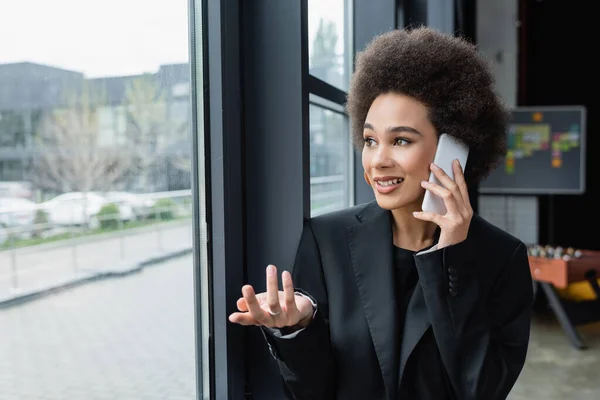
(409, 232)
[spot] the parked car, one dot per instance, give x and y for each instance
(17, 217)
(74, 208)
(81, 209)
(140, 205)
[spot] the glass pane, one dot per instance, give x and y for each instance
(329, 160)
(328, 41)
(95, 197)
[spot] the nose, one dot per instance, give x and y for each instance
(381, 158)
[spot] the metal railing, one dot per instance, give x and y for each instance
(327, 193)
(162, 211)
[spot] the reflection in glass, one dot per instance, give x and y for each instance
(329, 165)
(95, 182)
(328, 41)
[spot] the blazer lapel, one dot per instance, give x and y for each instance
(371, 249)
(416, 321)
(416, 324)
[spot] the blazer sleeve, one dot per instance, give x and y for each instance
(306, 361)
(482, 330)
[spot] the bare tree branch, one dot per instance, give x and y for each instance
(69, 152)
(146, 110)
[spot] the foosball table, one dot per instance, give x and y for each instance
(555, 268)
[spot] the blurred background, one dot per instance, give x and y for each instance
(155, 156)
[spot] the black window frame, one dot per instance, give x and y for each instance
(257, 89)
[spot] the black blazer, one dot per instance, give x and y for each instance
(471, 308)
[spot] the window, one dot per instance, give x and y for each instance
(329, 160)
(328, 41)
(96, 121)
(330, 63)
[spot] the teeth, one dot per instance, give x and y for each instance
(390, 182)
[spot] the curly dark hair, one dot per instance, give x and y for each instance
(445, 73)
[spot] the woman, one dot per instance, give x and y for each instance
(387, 301)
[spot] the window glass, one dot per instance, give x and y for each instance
(328, 41)
(329, 163)
(96, 266)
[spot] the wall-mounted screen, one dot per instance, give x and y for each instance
(546, 153)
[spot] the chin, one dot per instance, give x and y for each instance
(396, 202)
(389, 203)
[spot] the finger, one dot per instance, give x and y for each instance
(445, 194)
(429, 216)
(253, 306)
(443, 177)
(288, 292)
(449, 183)
(241, 304)
(245, 319)
(459, 178)
(273, 290)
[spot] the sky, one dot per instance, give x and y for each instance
(98, 38)
(110, 37)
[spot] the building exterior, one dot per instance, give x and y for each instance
(145, 116)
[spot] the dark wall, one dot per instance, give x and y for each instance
(557, 68)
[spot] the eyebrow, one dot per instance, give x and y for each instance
(394, 129)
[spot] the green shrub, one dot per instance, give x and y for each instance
(164, 209)
(41, 219)
(108, 216)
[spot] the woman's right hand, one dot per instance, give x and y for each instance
(273, 308)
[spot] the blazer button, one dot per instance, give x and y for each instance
(452, 271)
(452, 291)
(452, 278)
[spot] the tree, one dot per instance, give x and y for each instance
(180, 154)
(155, 129)
(69, 153)
(146, 111)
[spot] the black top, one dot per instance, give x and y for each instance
(406, 278)
(430, 371)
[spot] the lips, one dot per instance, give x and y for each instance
(387, 184)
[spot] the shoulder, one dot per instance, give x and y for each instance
(494, 243)
(335, 223)
(484, 231)
(345, 217)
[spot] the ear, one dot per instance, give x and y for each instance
(367, 179)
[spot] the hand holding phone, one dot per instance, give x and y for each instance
(449, 148)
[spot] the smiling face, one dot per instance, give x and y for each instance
(400, 144)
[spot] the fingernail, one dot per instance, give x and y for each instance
(285, 275)
(270, 270)
(424, 183)
(415, 213)
(434, 166)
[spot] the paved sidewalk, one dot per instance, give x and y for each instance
(30, 271)
(122, 339)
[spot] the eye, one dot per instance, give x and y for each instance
(369, 141)
(401, 141)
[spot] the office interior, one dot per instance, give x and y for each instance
(259, 130)
(256, 98)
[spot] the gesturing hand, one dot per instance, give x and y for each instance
(275, 308)
(454, 225)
